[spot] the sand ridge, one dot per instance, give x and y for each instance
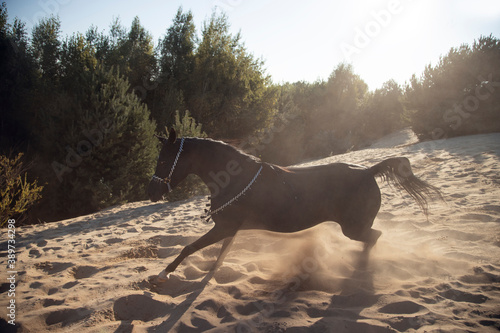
(96, 273)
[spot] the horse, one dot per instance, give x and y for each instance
(247, 193)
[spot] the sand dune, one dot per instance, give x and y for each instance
(96, 273)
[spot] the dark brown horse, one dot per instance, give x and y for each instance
(249, 194)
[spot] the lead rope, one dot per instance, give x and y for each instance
(209, 213)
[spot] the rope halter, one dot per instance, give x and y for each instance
(168, 179)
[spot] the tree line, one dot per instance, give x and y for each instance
(83, 108)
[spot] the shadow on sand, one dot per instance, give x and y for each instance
(357, 293)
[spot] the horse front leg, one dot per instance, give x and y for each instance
(223, 252)
(215, 235)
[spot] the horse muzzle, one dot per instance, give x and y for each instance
(158, 187)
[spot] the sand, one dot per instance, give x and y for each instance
(96, 273)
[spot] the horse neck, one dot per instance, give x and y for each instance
(219, 166)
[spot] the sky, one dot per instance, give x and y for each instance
(303, 40)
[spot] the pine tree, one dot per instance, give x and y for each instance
(77, 57)
(47, 47)
(458, 95)
(17, 76)
(97, 143)
(382, 112)
(176, 64)
(138, 52)
(232, 96)
(177, 50)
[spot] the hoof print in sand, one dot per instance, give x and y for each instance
(84, 272)
(405, 307)
(67, 316)
(462, 296)
(53, 267)
(34, 253)
(52, 302)
(140, 307)
(141, 252)
(226, 275)
(112, 241)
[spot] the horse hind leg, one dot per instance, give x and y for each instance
(371, 237)
(226, 245)
(367, 235)
(358, 225)
(359, 216)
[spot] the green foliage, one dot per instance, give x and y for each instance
(177, 50)
(383, 112)
(47, 46)
(17, 76)
(283, 140)
(223, 86)
(137, 50)
(187, 126)
(98, 145)
(230, 93)
(316, 119)
(77, 57)
(339, 115)
(131, 52)
(176, 64)
(3, 20)
(17, 193)
(459, 95)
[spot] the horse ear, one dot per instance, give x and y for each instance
(172, 136)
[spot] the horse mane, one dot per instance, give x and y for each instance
(228, 148)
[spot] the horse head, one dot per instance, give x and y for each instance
(170, 171)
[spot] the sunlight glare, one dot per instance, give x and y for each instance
(396, 45)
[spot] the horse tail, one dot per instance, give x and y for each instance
(398, 171)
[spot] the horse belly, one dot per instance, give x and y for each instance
(290, 216)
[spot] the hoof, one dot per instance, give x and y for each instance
(163, 276)
(373, 239)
